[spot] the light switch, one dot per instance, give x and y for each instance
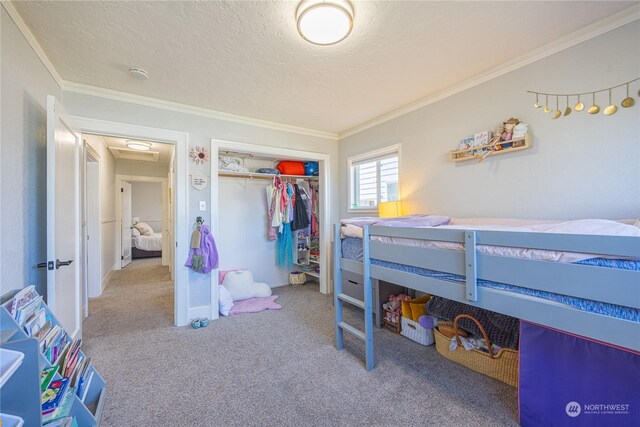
(203, 205)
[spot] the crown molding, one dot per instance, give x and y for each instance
(598, 28)
(147, 101)
(590, 31)
(28, 35)
(190, 109)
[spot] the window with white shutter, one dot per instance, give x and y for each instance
(373, 179)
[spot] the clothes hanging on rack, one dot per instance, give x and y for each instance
(315, 228)
(285, 237)
(274, 195)
(285, 247)
(290, 195)
(301, 212)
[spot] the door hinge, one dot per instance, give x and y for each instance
(122, 190)
(121, 258)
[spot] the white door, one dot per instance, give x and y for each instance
(63, 218)
(125, 232)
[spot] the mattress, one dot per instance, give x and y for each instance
(593, 227)
(148, 243)
(352, 249)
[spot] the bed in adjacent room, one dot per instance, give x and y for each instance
(145, 243)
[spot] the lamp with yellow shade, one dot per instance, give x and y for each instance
(390, 209)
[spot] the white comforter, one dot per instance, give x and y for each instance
(148, 243)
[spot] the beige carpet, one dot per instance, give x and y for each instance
(275, 368)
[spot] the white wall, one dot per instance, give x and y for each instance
(200, 130)
(24, 86)
(146, 203)
(132, 167)
(107, 165)
(242, 235)
(580, 166)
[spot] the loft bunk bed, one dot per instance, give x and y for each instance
(598, 298)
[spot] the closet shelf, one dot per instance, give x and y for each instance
(252, 175)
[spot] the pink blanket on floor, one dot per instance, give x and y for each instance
(255, 305)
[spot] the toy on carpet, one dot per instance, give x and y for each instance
(241, 286)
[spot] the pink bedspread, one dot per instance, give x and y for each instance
(255, 305)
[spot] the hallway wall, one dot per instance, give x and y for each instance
(107, 206)
(24, 86)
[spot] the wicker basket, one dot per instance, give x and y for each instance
(297, 278)
(502, 366)
(416, 332)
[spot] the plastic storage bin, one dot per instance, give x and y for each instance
(415, 332)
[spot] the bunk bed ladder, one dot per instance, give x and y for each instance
(340, 298)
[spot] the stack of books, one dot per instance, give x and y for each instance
(69, 372)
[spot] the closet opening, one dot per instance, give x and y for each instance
(129, 220)
(249, 236)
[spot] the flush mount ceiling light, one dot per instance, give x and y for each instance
(138, 73)
(324, 22)
(138, 145)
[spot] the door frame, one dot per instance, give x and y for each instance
(118, 228)
(91, 251)
(323, 160)
(118, 205)
(181, 194)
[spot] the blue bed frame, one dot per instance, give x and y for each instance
(609, 285)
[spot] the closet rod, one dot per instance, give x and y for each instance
(252, 175)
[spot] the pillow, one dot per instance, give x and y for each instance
(144, 228)
(417, 310)
(407, 307)
(222, 274)
(241, 286)
(135, 232)
(225, 302)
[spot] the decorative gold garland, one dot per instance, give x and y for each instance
(579, 106)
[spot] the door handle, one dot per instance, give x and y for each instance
(62, 263)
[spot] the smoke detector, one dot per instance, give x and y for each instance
(138, 73)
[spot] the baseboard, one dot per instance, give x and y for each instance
(106, 279)
(279, 285)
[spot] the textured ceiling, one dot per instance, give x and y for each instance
(246, 57)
